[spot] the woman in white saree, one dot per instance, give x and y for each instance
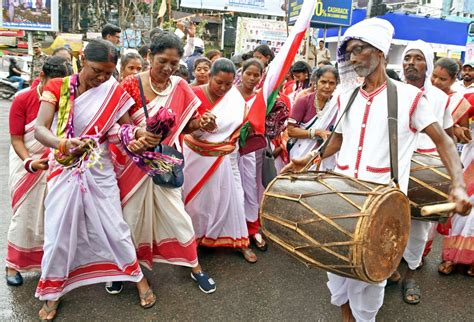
(27, 181)
(212, 190)
(313, 115)
(86, 239)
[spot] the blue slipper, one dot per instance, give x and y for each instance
(206, 284)
(16, 280)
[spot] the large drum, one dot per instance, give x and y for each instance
(429, 185)
(343, 225)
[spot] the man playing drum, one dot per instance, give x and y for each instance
(418, 59)
(362, 141)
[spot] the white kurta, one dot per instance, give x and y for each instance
(419, 232)
(365, 154)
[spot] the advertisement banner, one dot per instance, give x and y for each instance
(252, 32)
(261, 7)
(30, 15)
(327, 12)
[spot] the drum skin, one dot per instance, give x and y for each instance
(429, 185)
(337, 223)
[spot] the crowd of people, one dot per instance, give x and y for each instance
(85, 156)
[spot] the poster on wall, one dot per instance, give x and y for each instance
(30, 15)
(253, 32)
(261, 7)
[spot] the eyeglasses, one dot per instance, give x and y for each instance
(357, 50)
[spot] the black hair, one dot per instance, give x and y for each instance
(321, 41)
(56, 66)
(201, 60)
(449, 64)
(222, 65)
(265, 51)
(317, 73)
(301, 67)
(110, 29)
(246, 56)
(212, 53)
(128, 57)
(57, 50)
(252, 62)
(325, 62)
(393, 74)
(143, 50)
(101, 51)
(182, 72)
(155, 32)
(166, 40)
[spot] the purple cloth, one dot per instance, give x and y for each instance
(304, 110)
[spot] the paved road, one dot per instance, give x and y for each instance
(276, 288)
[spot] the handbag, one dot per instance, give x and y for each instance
(269, 171)
(253, 143)
(174, 178)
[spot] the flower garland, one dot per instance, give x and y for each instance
(91, 156)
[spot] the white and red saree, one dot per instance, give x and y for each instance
(212, 188)
(86, 239)
(162, 230)
(27, 191)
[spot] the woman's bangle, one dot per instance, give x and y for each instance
(27, 165)
(62, 147)
(310, 135)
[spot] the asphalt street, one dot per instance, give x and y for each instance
(276, 288)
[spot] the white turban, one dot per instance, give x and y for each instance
(427, 51)
(375, 31)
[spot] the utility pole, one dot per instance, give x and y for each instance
(170, 14)
(369, 9)
(151, 13)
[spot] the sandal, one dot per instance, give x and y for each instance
(446, 267)
(48, 309)
(259, 242)
(470, 270)
(249, 255)
(411, 289)
(144, 297)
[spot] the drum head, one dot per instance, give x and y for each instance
(386, 235)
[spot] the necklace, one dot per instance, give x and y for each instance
(158, 91)
(38, 90)
(319, 111)
(208, 94)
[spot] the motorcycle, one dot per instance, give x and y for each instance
(8, 88)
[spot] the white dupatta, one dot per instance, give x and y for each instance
(304, 146)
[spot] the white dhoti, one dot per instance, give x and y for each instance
(364, 299)
(419, 233)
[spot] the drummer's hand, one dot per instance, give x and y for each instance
(463, 134)
(459, 196)
(323, 134)
(296, 165)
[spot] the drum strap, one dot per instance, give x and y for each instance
(392, 99)
(348, 106)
